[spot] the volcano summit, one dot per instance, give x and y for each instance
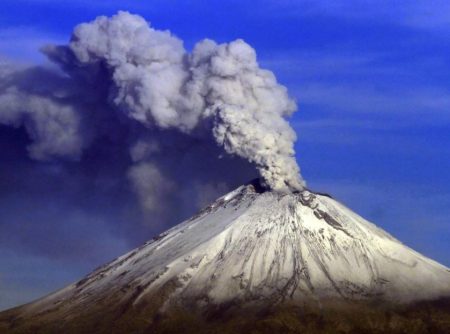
(289, 262)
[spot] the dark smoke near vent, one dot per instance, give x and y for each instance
(184, 127)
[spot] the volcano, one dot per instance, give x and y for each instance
(254, 261)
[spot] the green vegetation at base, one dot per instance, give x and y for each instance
(331, 318)
(360, 318)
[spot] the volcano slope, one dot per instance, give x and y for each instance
(255, 261)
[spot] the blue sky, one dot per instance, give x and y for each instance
(371, 82)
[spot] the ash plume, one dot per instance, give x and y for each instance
(183, 123)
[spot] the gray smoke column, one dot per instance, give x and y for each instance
(247, 108)
(218, 88)
(136, 86)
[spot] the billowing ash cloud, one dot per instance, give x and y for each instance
(185, 124)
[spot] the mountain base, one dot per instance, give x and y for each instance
(330, 317)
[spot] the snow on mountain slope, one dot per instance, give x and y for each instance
(252, 246)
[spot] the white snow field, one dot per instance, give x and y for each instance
(251, 246)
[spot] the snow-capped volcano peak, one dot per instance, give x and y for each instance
(253, 245)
